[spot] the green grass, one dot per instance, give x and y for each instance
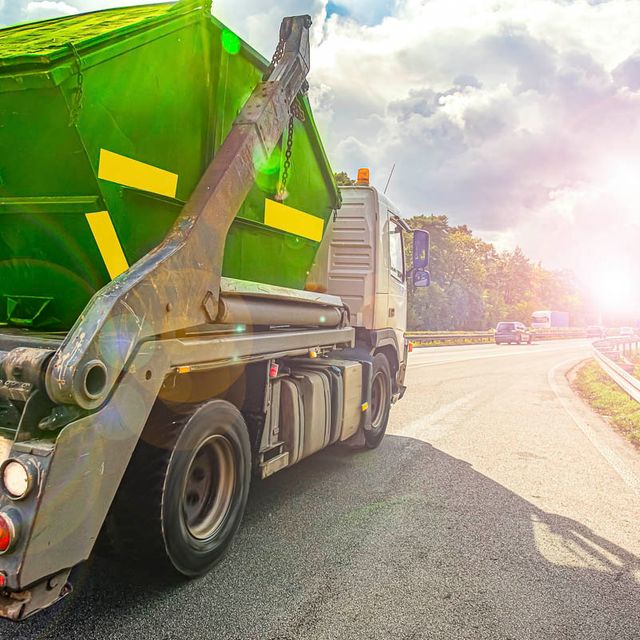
(609, 400)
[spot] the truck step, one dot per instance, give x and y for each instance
(274, 465)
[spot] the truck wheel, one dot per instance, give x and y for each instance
(185, 491)
(380, 401)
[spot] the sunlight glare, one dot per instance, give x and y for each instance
(622, 181)
(614, 290)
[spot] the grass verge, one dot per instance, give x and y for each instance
(609, 400)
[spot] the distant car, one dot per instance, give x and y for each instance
(627, 331)
(513, 332)
(596, 331)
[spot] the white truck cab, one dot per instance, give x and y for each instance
(362, 261)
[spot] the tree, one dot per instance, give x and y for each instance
(343, 180)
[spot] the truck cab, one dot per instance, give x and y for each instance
(362, 261)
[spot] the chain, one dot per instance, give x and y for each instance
(76, 106)
(282, 187)
(277, 56)
(296, 111)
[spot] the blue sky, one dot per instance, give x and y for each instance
(520, 118)
(362, 11)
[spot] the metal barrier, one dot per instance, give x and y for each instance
(478, 337)
(612, 354)
(481, 337)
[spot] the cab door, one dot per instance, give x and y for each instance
(397, 311)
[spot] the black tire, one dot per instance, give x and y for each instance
(185, 491)
(380, 401)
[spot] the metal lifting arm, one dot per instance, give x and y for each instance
(177, 285)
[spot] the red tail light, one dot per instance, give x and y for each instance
(7, 533)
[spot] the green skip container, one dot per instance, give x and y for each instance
(107, 122)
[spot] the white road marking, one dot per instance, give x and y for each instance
(427, 425)
(452, 360)
(614, 460)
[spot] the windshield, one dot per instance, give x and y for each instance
(506, 326)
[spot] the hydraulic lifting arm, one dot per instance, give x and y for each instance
(177, 285)
(174, 287)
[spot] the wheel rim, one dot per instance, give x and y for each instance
(209, 487)
(379, 395)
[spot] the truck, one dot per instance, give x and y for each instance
(187, 301)
(549, 319)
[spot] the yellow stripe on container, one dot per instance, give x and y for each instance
(131, 173)
(280, 216)
(108, 243)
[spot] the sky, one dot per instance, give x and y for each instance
(519, 118)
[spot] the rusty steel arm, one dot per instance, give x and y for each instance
(177, 285)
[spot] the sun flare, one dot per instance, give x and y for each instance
(614, 290)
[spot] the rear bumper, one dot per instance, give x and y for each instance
(513, 338)
(23, 604)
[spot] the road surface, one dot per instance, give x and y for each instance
(498, 507)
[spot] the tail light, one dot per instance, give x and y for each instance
(8, 532)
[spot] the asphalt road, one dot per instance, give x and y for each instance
(497, 507)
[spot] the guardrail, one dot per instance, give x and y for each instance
(613, 355)
(425, 338)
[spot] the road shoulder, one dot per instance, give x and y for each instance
(620, 454)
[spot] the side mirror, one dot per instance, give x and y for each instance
(421, 249)
(421, 278)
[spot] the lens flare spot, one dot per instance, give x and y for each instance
(268, 171)
(230, 42)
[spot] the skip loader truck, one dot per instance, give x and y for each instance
(186, 298)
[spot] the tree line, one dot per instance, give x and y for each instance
(475, 286)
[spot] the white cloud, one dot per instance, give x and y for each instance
(48, 8)
(23, 10)
(497, 114)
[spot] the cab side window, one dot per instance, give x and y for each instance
(396, 252)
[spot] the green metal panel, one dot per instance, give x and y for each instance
(154, 84)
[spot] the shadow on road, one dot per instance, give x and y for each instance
(403, 542)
